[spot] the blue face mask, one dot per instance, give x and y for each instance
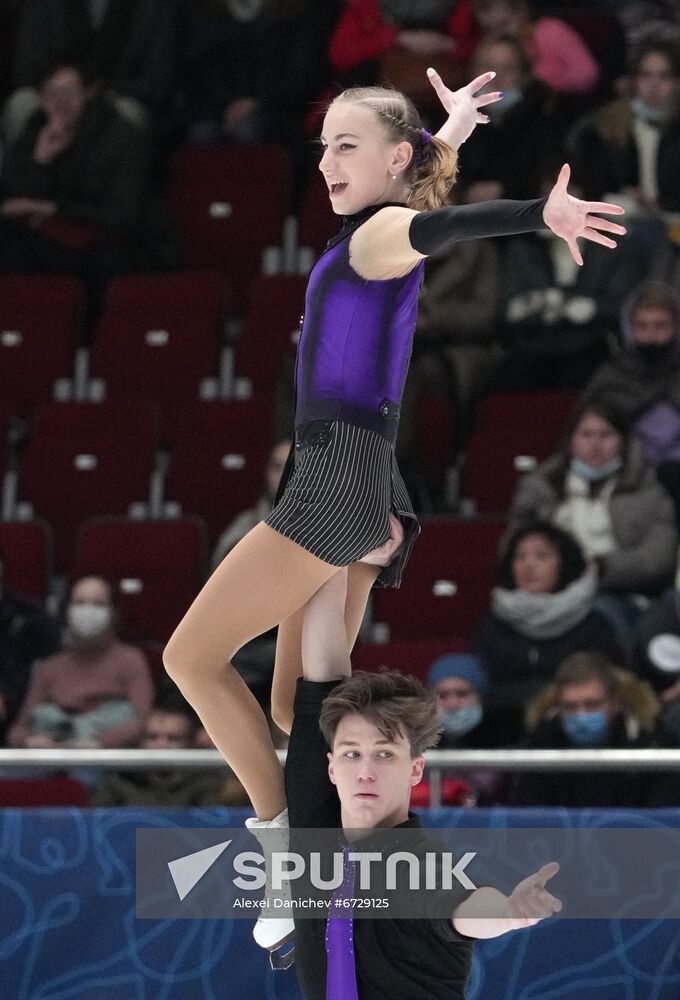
(594, 473)
(586, 729)
(511, 97)
(459, 721)
(655, 116)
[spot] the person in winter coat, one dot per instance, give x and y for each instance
(590, 703)
(542, 610)
(600, 487)
(462, 686)
(630, 146)
(643, 382)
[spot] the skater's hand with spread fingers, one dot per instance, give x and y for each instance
(462, 107)
(383, 555)
(530, 901)
(572, 218)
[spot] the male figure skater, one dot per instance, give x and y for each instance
(377, 727)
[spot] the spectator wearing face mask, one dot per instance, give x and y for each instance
(507, 159)
(97, 692)
(590, 703)
(643, 381)
(461, 685)
(631, 146)
(600, 487)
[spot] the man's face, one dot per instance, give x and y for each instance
(652, 325)
(373, 775)
(588, 696)
(166, 731)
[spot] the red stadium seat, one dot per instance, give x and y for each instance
(85, 460)
(434, 417)
(513, 434)
(217, 463)
(414, 657)
(158, 565)
(40, 327)
(27, 547)
(317, 220)
(271, 329)
(228, 205)
(30, 792)
(160, 335)
(447, 582)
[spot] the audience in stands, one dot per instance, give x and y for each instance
(75, 187)
(396, 40)
(657, 645)
(630, 146)
(76, 194)
(648, 20)
(250, 71)
(462, 685)
(97, 692)
(130, 46)
(559, 56)
(643, 381)
(590, 704)
(27, 634)
(601, 489)
(558, 319)
(542, 610)
(455, 347)
(246, 520)
(170, 725)
(510, 157)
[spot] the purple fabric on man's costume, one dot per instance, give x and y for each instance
(356, 342)
(341, 976)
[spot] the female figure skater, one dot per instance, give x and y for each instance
(388, 177)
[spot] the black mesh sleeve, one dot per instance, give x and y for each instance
(441, 228)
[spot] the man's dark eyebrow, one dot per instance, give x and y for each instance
(343, 135)
(352, 743)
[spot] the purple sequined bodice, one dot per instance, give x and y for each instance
(355, 345)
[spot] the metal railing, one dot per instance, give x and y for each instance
(436, 761)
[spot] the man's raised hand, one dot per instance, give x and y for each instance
(530, 901)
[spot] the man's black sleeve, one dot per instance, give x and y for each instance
(312, 797)
(430, 232)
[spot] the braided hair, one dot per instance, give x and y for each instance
(432, 170)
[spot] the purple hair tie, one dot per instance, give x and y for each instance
(425, 138)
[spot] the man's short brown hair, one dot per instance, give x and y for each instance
(397, 704)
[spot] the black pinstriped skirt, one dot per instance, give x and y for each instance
(337, 493)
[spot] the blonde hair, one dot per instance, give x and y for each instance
(432, 170)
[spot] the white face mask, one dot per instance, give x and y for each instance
(87, 621)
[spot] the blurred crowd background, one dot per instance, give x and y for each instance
(160, 208)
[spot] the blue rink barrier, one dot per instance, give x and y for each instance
(68, 927)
